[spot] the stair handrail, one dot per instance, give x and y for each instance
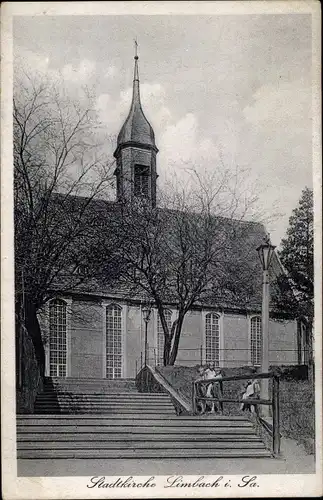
(273, 402)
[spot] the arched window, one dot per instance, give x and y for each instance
(212, 338)
(161, 335)
(57, 338)
(113, 341)
(255, 340)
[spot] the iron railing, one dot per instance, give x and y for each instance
(198, 355)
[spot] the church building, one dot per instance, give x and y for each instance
(101, 334)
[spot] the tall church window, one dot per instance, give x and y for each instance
(212, 338)
(141, 181)
(113, 341)
(161, 335)
(256, 340)
(57, 338)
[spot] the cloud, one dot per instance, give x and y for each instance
(34, 63)
(182, 143)
(285, 101)
(29, 60)
(81, 73)
(111, 72)
(179, 138)
(279, 123)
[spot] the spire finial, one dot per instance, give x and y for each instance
(136, 74)
(136, 48)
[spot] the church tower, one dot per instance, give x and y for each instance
(136, 152)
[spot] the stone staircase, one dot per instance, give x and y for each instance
(100, 419)
(118, 396)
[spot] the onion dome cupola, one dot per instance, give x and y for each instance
(136, 152)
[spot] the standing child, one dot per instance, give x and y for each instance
(200, 390)
(210, 374)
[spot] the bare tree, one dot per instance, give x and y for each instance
(57, 159)
(187, 251)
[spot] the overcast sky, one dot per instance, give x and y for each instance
(225, 88)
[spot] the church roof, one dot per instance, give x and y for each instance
(237, 286)
(136, 128)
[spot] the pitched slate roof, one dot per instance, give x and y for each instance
(238, 284)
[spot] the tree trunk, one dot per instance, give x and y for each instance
(167, 349)
(32, 326)
(168, 335)
(177, 336)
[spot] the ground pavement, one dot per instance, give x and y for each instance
(294, 460)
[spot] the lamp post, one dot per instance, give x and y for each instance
(146, 312)
(265, 252)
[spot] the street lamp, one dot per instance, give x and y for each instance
(146, 312)
(265, 252)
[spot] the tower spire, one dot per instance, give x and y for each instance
(136, 150)
(136, 128)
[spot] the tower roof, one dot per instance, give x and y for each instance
(136, 128)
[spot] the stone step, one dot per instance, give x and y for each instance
(142, 453)
(56, 410)
(72, 387)
(112, 404)
(139, 405)
(92, 390)
(136, 408)
(129, 420)
(132, 430)
(106, 402)
(133, 445)
(134, 395)
(204, 418)
(98, 411)
(107, 384)
(37, 432)
(97, 385)
(103, 399)
(122, 387)
(88, 379)
(91, 382)
(129, 438)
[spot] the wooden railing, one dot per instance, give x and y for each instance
(273, 402)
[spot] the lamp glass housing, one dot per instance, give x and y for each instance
(265, 252)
